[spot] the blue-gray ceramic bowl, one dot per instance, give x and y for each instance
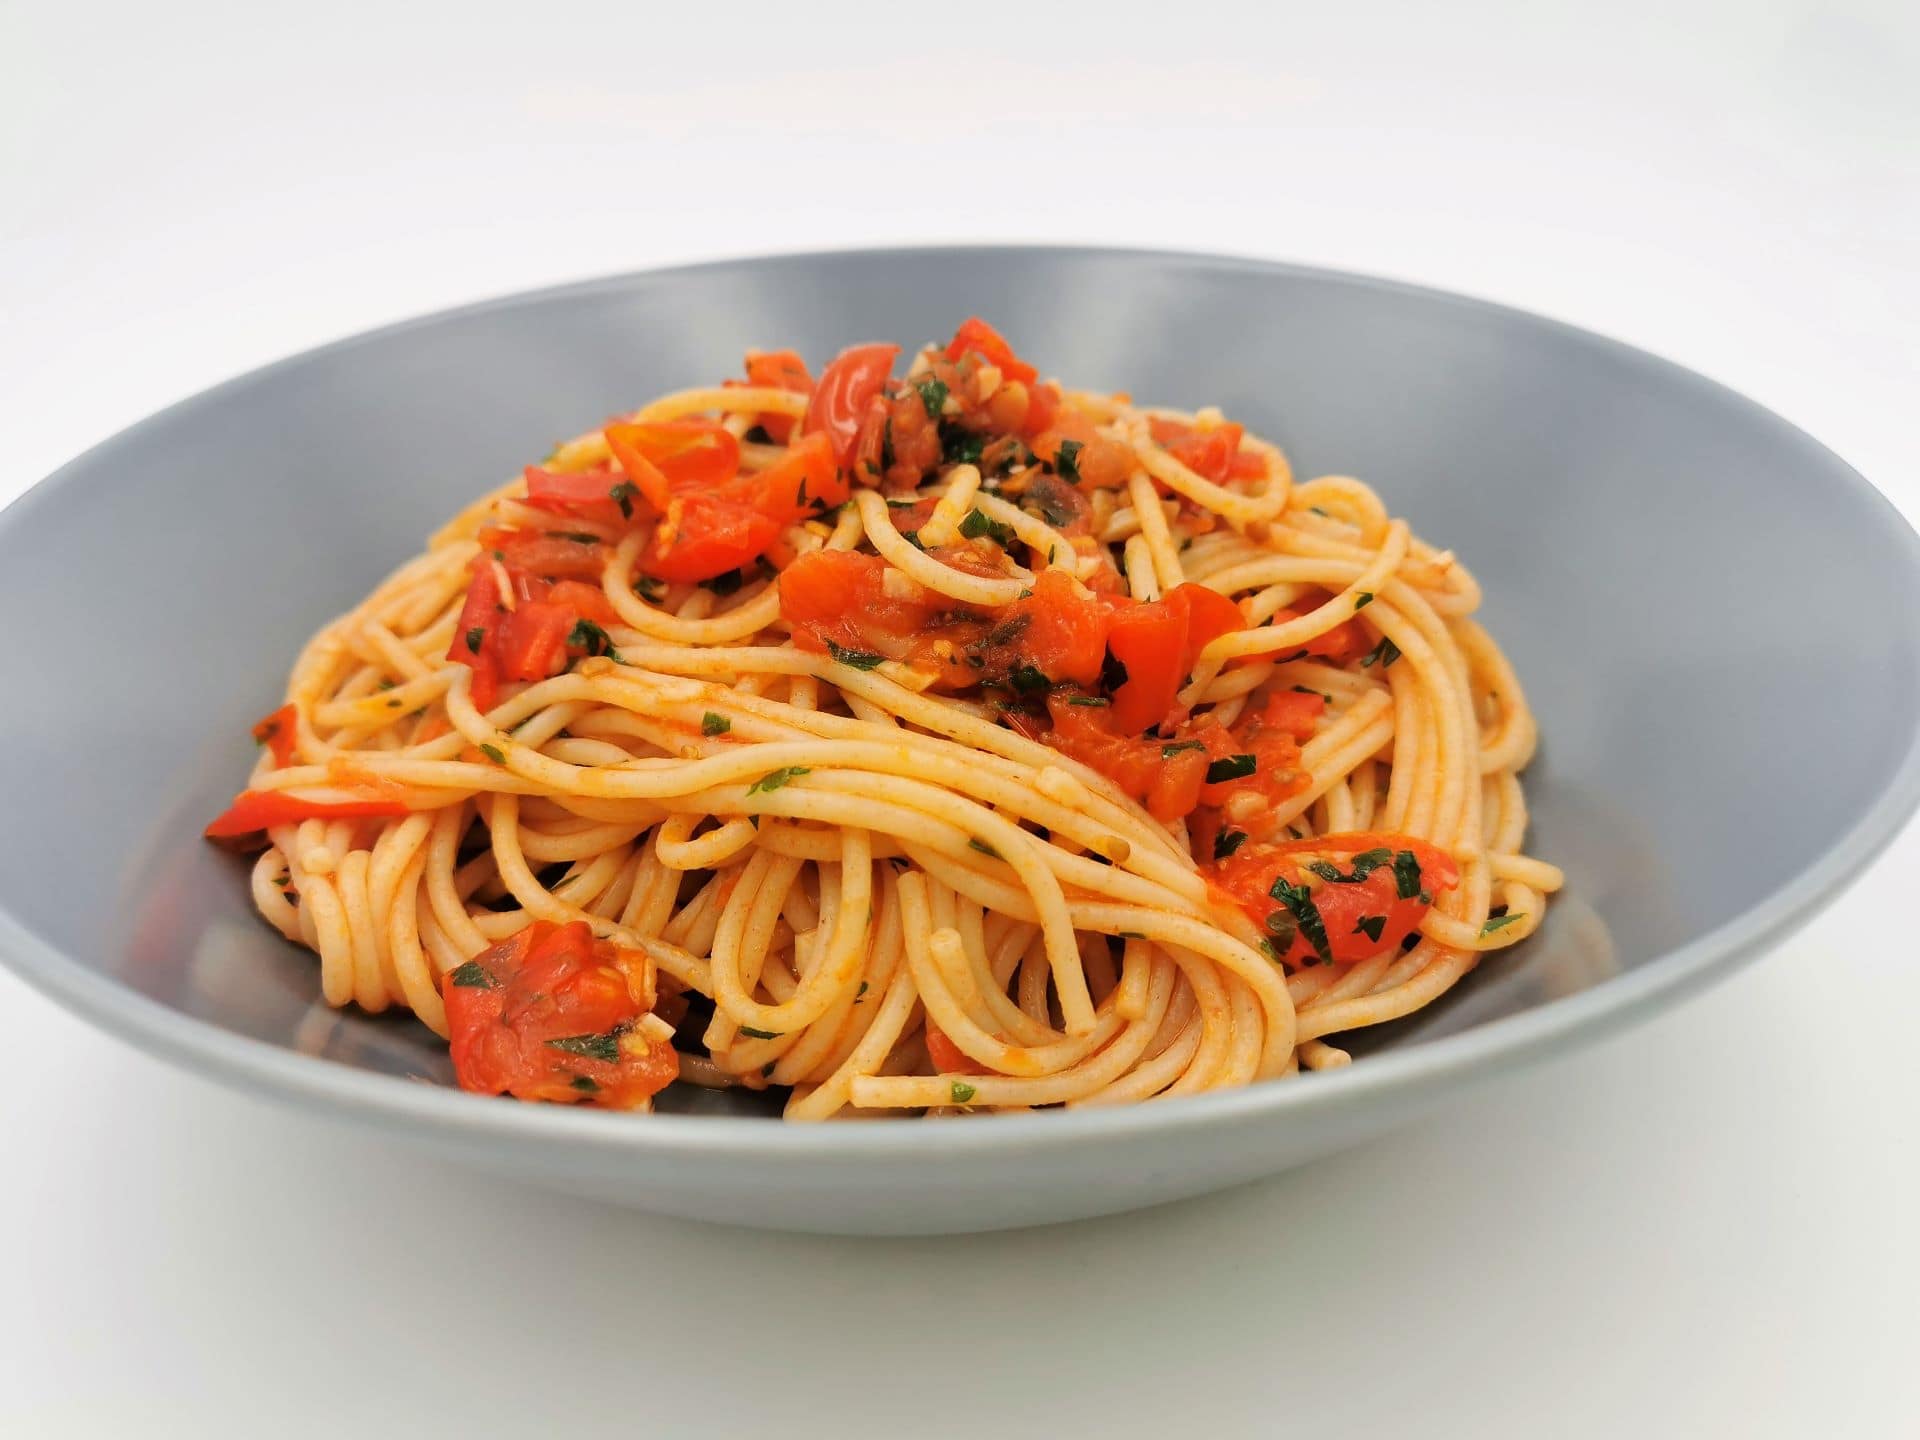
(1674, 571)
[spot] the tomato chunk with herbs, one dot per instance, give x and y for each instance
(840, 402)
(550, 1013)
(1335, 899)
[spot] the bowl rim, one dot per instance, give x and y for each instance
(1429, 1067)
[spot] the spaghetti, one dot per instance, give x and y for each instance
(945, 743)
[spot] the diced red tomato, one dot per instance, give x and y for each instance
(1165, 776)
(691, 454)
(530, 642)
(1157, 642)
(779, 370)
(1365, 892)
(977, 337)
(840, 403)
(279, 733)
(1295, 713)
(352, 798)
(787, 489)
(550, 1014)
(948, 1058)
(1064, 634)
(1101, 462)
(1043, 404)
(548, 554)
(703, 536)
(605, 497)
(1211, 454)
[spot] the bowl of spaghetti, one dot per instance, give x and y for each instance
(936, 740)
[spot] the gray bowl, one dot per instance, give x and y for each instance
(1718, 622)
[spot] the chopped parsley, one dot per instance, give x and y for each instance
(860, 992)
(1088, 700)
(650, 589)
(1500, 922)
(1028, 679)
(622, 495)
(1167, 752)
(1362, 600)
(961, 1092)
(492, 752)
(713, 724)
(1309, 690)
(977, 525)
(473, 976)
(585, 1084)
(753, 1034)
(1370, 926)
(1270, 950)
(1067, 461)
(1406, 874)
(588, 636)
(1386, 652)
(858, 659)
(774, 779)
(1233, 767)
(974, 842)
(1228, 841)
(933, 395)
(959, 446)
(1012, 630)
(1113, 673)
(1306, 915)
(725, 583)
(475, 638)
(594, 1047)
(578, 537)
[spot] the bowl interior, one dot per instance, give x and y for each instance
(1712, 616)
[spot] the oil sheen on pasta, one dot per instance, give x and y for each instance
(929, 742)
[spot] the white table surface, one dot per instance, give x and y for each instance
(1705, 1227)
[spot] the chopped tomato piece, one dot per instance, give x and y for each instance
(1147, 641)
(1295, 712)
(703, 536)
(1043, 404)
(1064, 632)
(550, 1013)
(977, 337)
(691, 454)
(531, 643)
(788, 489)
(778, 370)
(841, 401)
(948, 1058)
(1208, 615)
(255, 810)
(586, 602)
(279, 733)
(1336, 899)
(645, 475)
(548, 554)
(605, 497)
(1209, 453)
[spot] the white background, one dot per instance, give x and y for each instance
(1706, 1227)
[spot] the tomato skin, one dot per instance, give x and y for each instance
(691, 454)
(645, 475)
(589, 494)
(1148, 640)
(977, 337)
(1247, 877)
(806, 469)
(840, 403)
(710, 536)
(548, 1014)
(1210, 454)
(279, 732)
(778, 370)
(255, 810)
(1207, 615)
(948, 1058)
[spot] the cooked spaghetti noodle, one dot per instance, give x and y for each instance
(946, 743)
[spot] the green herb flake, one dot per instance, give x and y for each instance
(578, 537)
(1309, 690)
(974, 842)
(1406, 874)
(753, 1034)
(589, 637)
(473, 976)
(1233, 767)
(1088, 700)
(492, 752)
(1386, 652)
(712, 724)
(1011, 631)
(1299, 902)
(649, 589)
(977, 526)
(774, 779)
(1228, 841)
(1113, 672)
(623, 495)
(594, 1047)
(858, 659)
(1370, 926)
(933, 395)
(1270, 950)
(475, 637)
(725, 583)
(962, 1092)
(858, 994)
(585, 1084)
(1066, 462)
(1028, 680)
(1325, 871)
(1500, 922)
(1362, 600)
(1180, 747)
